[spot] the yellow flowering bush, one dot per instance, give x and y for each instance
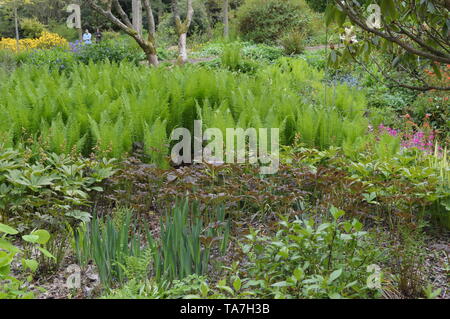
(46, 41)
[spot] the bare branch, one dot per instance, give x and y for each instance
(122, 13)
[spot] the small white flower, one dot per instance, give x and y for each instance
(349, 36)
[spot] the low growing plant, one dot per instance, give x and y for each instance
(12, 287)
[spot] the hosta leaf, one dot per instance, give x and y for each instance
(43, 235)
(6, 245)
(30, 264)
(31, 238)
(7, 229)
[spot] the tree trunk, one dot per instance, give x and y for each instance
(149, 49)
(226, 24)
(153, 59)
(182, 29)
(16, 22)
(183, 57)
(137, 16)
(124, 23)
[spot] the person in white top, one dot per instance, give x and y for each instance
(87, 37)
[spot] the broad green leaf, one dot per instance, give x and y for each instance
(336, 213)
(7, 229)
(30, 264)
(335, 275)
(237, 284)
(298, 274)
(31, 238)
(43, 235)
(282, 284)
(6, 245)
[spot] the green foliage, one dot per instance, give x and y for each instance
(105, 108)
(109, 245)
(312, 261)
(62, 30)
(156, 142)
(232, 59)
(259, 52)
(43, 187)
(182, 249)
(10, 286)
(293, 43)
(149, 289)
(303, 260)
(31, 28)
(433, 107)
(401, 57)
(54, 59)
(262, 52)
(317, 5)
(185, 243)
(113, 51)
(7, 61)
(266, 21)
(419, 182)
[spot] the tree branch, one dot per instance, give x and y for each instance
(354, 17)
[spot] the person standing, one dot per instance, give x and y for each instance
(87, 37)
(98, 35)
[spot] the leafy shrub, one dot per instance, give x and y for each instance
(369, 186)
(293, 43)
(330, 260)
(31, 28)
(63, 31)
(303, 260)
(231, 59)
(432, 107)
(266, 21)
(259, 52)
(318, 5)
(54, 59)
(112, 51)
(200, 21)
(262, 52)
(40, 188)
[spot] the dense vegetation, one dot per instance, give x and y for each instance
(89, 196)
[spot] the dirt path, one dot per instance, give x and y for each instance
(321, 47)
